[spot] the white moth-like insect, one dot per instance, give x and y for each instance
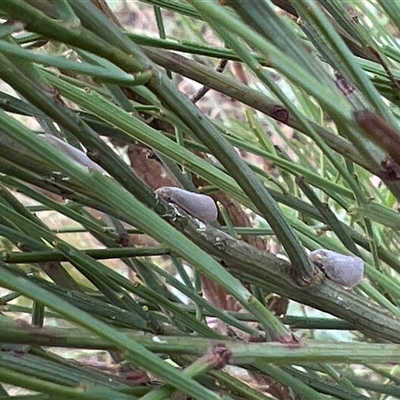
(72, 152)
(339, 268)
(197, 205)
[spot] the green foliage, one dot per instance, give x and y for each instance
(321, 78)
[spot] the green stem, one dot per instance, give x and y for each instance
(98, 254)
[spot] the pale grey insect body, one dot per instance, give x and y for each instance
(72, 152)
(197, 205)
(339, 268)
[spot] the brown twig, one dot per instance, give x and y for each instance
(203, 91)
